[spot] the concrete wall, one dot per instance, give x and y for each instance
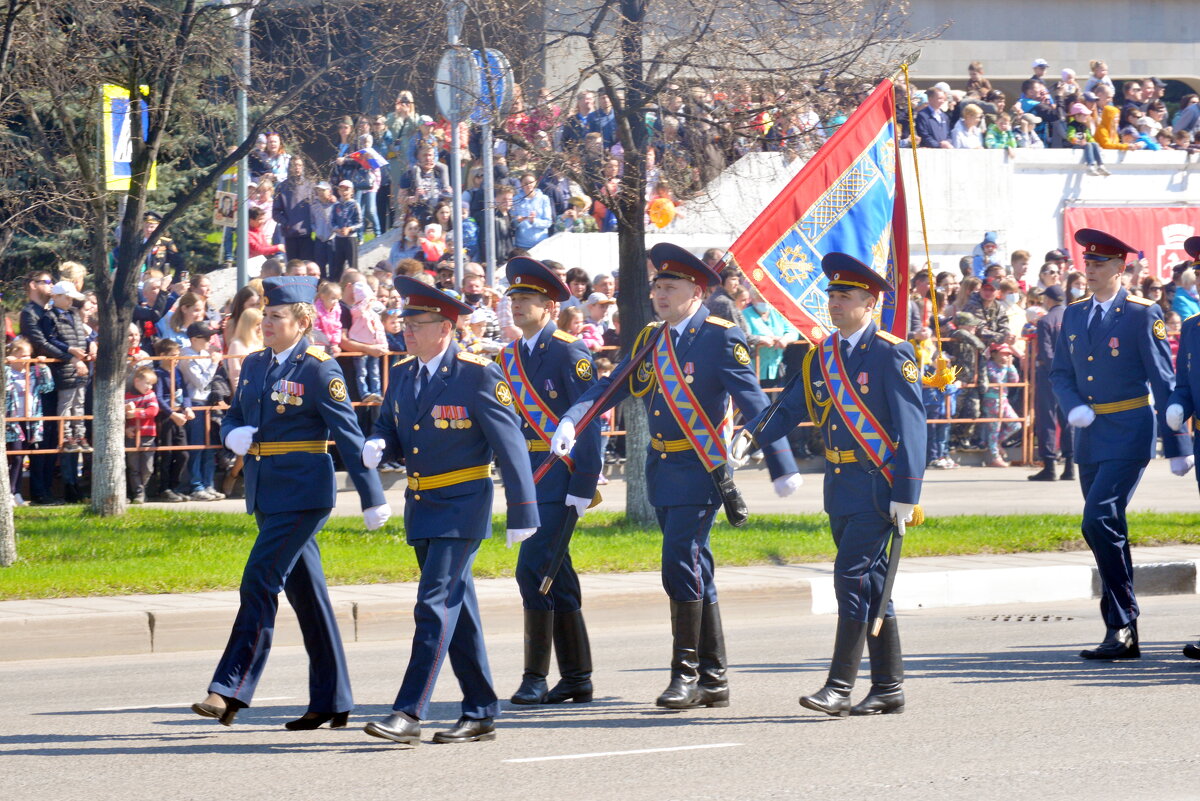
(966, 193)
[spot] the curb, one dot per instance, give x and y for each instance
(384, 613)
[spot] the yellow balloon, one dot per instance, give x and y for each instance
(661, 212)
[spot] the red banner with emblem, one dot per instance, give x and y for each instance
(1158, 232)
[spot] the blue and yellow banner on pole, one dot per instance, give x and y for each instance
(118, 144)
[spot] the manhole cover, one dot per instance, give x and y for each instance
(1020, 618)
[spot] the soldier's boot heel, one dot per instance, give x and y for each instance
(887, 673)
(539, 626)
(684, 690)
(834, 698)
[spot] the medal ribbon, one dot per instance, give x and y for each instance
(687, 411)
(863, 426)
(528, 403)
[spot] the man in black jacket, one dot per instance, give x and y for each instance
(1048, 418)
(41, 466)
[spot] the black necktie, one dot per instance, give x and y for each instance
(273, 371)
(845, 351)
(528, 351)
(675, 337)
(1094, 325)
(422, 383)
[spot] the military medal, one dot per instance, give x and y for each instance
(862, 383)
(438, 420)
(688, 369)
(550, 390)
(1115, 344)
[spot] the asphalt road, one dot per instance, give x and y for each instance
(1000, 707)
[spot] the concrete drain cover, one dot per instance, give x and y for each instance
(1021, 618)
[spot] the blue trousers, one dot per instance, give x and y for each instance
(285, 557)
(861, 563)
(534, 559)
(447, 618)
(1107, 489)
(200, 464)
(687, 560)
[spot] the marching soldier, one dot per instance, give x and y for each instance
(1112, 356)
(547, 370)
(699, 363)
(290, 398)
(448, 413)
(860, 386)
(1185, 398)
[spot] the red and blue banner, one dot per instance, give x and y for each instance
(848, 198)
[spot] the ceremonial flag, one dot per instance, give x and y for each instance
(368, 158)
(849, 198)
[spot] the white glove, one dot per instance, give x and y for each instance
(240, 439)
(372, 453)
(564, 438)
(376, 516)
(1180, 465)
(1175, 418)
(786, 485)
(1081, 416)
(515, 535)
(903, 511)
(740, 447)
(581, 504)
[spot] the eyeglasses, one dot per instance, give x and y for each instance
(46, 281)
(1049, 272)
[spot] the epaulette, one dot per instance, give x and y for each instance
(1081, 300)
(1139, 300)
(888, 336)
(564, 336)
(721, 321)
(1192, 317)
(406, 359)
(473, 358)
(318, 353)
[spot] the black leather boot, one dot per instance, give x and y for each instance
(834, 697)
(714, 685)
(574, 654)
(539, 626)
(1046, 473)
(684, 690)
(1068, 473)
(887, 673)
(1118, 644)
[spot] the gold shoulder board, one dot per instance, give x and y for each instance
(473, 358)
(887, 336)
(721, 321)
(318, 353)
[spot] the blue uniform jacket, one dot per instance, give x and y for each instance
(1187, 374)
(462, 510)
(712, 347)
(893, 398)
(1129, 358)
(562, 365)
(292, 482)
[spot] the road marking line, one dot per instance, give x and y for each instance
(625, 753)
(176, 704)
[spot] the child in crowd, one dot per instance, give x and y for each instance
(25, 384)
(174, 412)
(966, 352)
(327, 327)
(141, 410)
(393, 329)
(592, 330)
(1174, 324)
(346, 219)
(433, 243)
(1000, 134)
(1000, 371)
(570, 321)
(1079, 134)
(939, 405)
(69, 342)
(198, 372)
(604, 368)
(366, 326)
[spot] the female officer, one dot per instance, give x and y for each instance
(290, 398)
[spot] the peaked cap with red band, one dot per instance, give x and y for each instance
(530, 275)
(420, 298)
(846, 272)
(1099, 246)
(672, 261)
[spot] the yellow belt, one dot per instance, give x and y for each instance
(537, 446)
(841, 457)
(1121, 406)
(417, 482)
(671, 445)
(279, 448)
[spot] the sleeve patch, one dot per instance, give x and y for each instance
(503, 393)
(740, 353)
(583, 369)
(909, 371)
(1160, 329)
(337, 389)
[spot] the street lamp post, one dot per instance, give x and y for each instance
(241, 25)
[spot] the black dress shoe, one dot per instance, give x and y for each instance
(833, 701)
(880, 702)
(398, 727)
(1118, 644)
(1045, 474)
(315, 720)
(1192, 650)
(468, 730)
(223, 714)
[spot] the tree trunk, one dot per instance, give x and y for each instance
(637, 440)
(8, 530)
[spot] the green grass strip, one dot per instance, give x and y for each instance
(65, 552)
